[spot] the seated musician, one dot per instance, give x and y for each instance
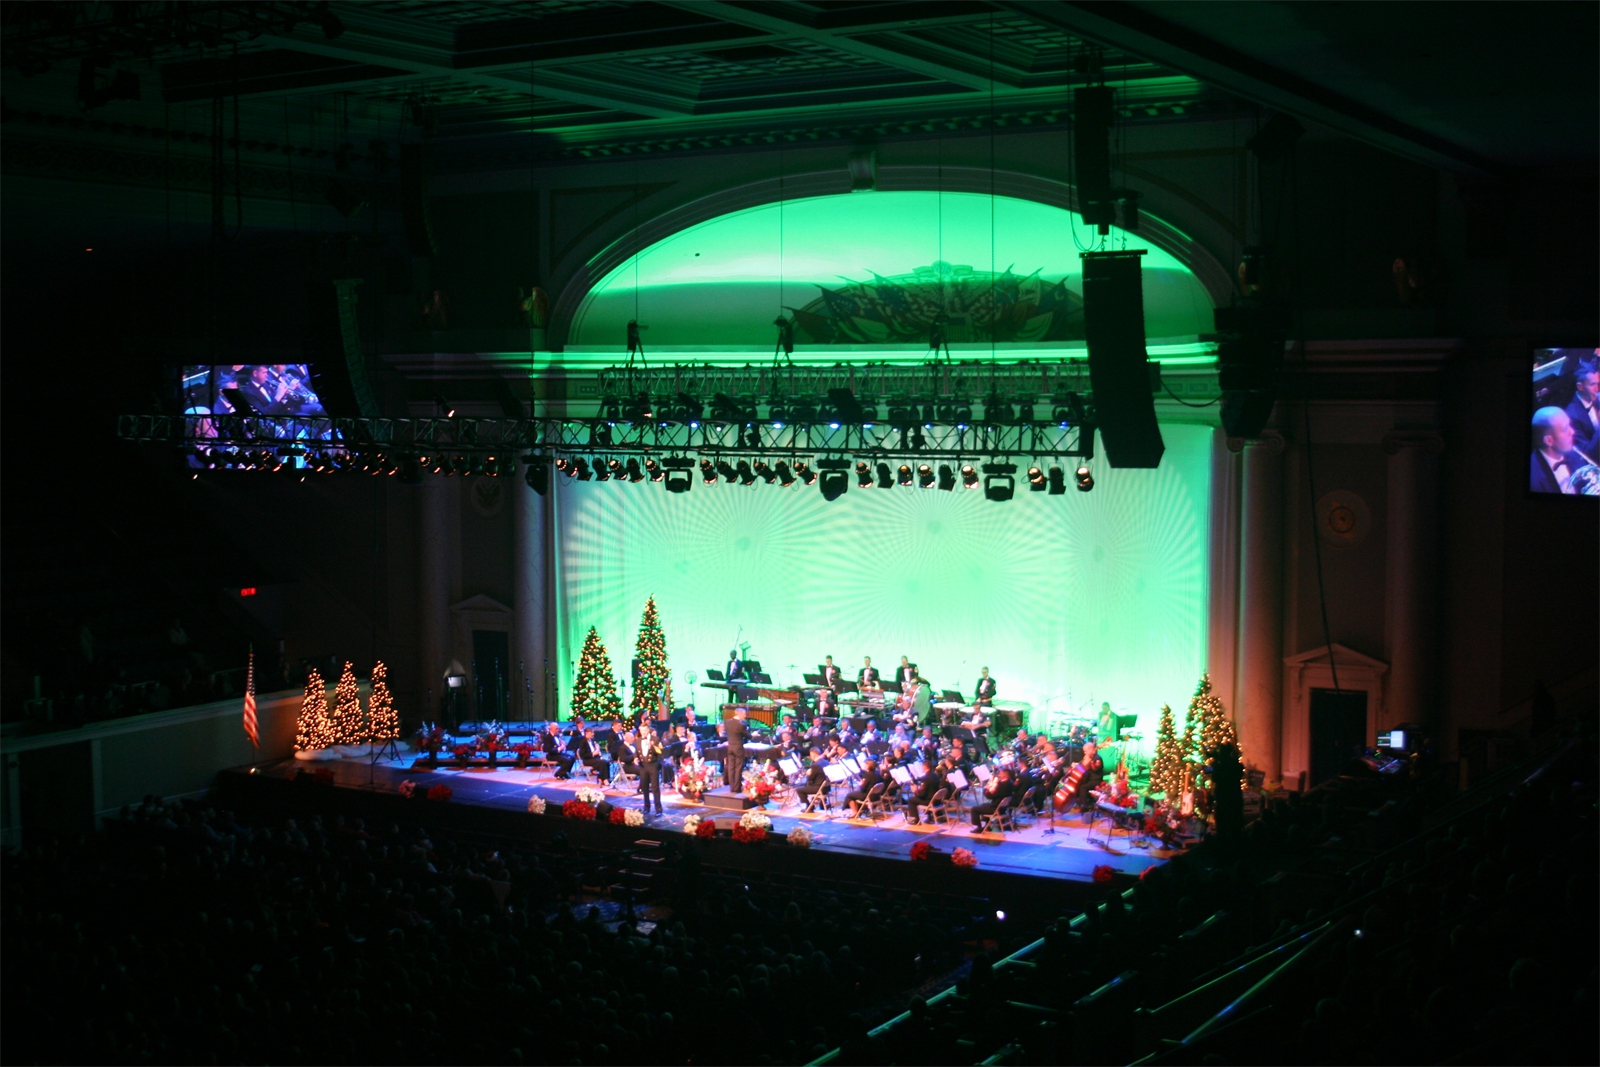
(986, 690)
(555, 750)
(847, 734)
(959, 756)
(870, 776)
(867, 677)
(587, 750)
(1021, 742)
(999, 788)
(927, 746)
(903, 712)
(899, 734)
(1094, 774)
(827, 704)
(816, 778)
(979, 720)
(870, 734)
(735, 671)
(834, 750)
(625, 754)
(937, 779)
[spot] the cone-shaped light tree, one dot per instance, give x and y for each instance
(594, 693)
(382, 720)
(1166, 771)
(312, 730)
(349, 721)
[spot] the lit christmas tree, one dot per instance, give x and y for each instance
(651, 652)
(1166, 771)
(349, 724)
(594, 694)
(312, 730)
(1209, 719)
(382, 721)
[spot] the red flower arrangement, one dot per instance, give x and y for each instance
(618, 816)
(441, 793)
(748, 834)
(1103, 874)
(1154, 823)
(759, 790)
(522, 749)
(323, 776)
(707, 829)
(922, 850)
(463, 752)
(577, 809)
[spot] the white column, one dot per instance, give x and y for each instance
(1410, 621)
(1259, 678)
(436, 568)
(530, 597)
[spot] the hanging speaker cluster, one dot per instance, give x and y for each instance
(1119, 370)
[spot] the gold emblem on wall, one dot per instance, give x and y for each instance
(1343, 518)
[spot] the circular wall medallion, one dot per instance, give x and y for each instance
(1343, 518)
(488, 496)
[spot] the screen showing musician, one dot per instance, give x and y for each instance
(276, 391)
(1565, 425)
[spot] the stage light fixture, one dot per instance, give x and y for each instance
(602, 473)
(969, 476)
(777, 413)
(687, 409)
(947, 477)
(846, 407)
(1035, 480)
(802, 412)
(581, 467)
(1058, 482)
(726, 409)
(805, 473)
(634, 473)
(679, 476)
(785, 475)
(708, 472)
(746, 475)
(1025, 413)
(653, 469)
(903, 475)
(996, 411)
(537, 474)
(1085, 480)
(640, 409)
(864, 474)
(729, 475)
(1066, 410)
(999, 481)
(445, 407)
(764, 472)
(885, 477)
(925, 476)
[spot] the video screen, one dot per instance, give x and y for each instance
(281, 389)
(277, 397)
(1566, 422)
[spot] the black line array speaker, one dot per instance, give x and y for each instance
(333, 348)
(414, 199)
(1119, 371)
(1091, 154)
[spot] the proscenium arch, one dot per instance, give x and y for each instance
(1208, 271)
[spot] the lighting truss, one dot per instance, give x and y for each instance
(589, 436)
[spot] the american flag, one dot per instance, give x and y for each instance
(250, 702)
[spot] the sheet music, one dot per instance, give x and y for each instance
(958, 779)
(901, 775)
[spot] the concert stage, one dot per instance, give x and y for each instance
(1070, 854)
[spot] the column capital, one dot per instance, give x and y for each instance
(1271, 440)
(1396, 441)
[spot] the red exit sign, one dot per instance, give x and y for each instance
(248, 590)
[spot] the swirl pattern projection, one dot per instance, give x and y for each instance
(1066, 599)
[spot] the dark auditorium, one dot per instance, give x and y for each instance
(800, 532)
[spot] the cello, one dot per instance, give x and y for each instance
(1068, 787)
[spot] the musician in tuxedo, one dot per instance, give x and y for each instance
(847, 734)
(689, 719)
(1094, 775)
(906, 672)
(958, 755)
(734, 671)
(735, 731)
(1584, 410)
(625, 754)
(258, 390)
(816, 778)
(936, 779)
(586, 749)
(870, 734)
(926, 747)
(986, 690)
(870, 776)
(1002, 787)
(1554, 459)
(827, 704)
(832, 677)
(867, 677)
(555, 750)
(650, 757)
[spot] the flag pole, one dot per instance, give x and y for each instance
(251, 726)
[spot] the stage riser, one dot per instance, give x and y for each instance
(1017, 895)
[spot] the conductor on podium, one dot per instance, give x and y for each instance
(733, 764)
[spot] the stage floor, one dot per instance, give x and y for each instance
(1072, 852)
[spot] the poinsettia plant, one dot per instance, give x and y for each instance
(922, 850)
(577, 809)
(441, 793)
(964, 857)
(1103, 873)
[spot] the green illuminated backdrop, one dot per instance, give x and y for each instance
(722, 282)
(1100, 595)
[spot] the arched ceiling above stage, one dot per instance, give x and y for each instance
(875, 268)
